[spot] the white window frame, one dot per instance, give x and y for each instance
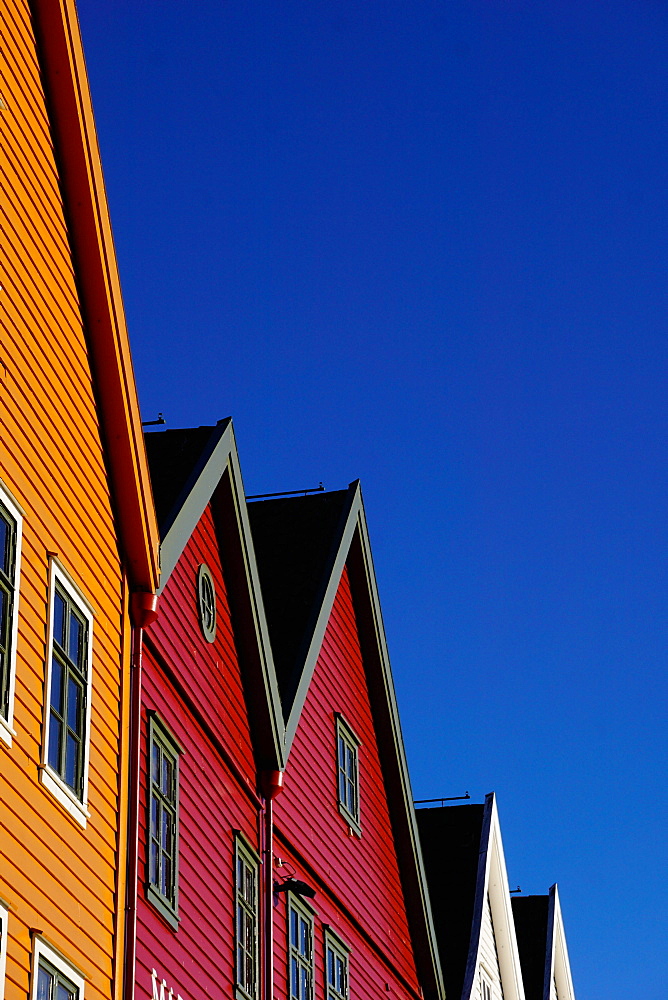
(7, 731)
(77, 808)
(42, 950)
(4, 920)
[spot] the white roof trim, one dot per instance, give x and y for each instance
(493, 880)
(557, 964)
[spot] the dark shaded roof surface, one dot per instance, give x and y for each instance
(530, 915)
(295, 540)
(176, 459)
(450, 839)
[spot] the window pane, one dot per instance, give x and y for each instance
(166, 785)
(71, 761)
(250, 886)
(293, 927)
(249, 941)
(65, 992)
(166, 834)
(55, 742)
(155, 764)
(155, 814)
(153, 876)
(57, 685)
(75, 643)
(44, 984)
(4, 608)
(166, 887)
(74, 699)
(4, 545)
(59, 620)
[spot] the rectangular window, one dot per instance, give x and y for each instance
(4, 916)
(347, 759)
(53, 977)
(485, 988)
(163, 820)
(10, 561)
(67, 722)
(336, 968)
(300, 954)
(246, 920)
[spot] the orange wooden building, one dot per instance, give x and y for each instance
(77, 527)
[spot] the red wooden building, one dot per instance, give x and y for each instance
(267, 672)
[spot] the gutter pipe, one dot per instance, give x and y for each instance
(272, 785)
(143, 612)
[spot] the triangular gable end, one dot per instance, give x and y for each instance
(493, 940)
(350, 547)
(192, 468)
(558, 981)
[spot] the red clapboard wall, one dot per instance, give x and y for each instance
(359, 891)
(210, 671)
(195, 688)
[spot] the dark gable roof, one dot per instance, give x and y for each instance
(301, 546)
(450, 839)
(530, 915)
(176, 459)
(295, 541)
(189, 469)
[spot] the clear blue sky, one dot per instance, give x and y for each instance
(426, 244)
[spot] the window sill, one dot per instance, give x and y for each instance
(351, 821)
(162, 906)
(240, 994)
(6, 732)
(76, 809)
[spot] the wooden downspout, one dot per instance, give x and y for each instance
(143, 612)
(272, 785)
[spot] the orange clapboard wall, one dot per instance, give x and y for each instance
(71, 457)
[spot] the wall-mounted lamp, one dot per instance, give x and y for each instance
(296, 886)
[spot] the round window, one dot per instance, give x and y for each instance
(206, 602)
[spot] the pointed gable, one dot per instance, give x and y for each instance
(557, 963)
(316, 569)
(492, 968)
(530, 914)
(201, 507)
(361, 869)
(294, 542)
(542, 947)
(450, 839)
